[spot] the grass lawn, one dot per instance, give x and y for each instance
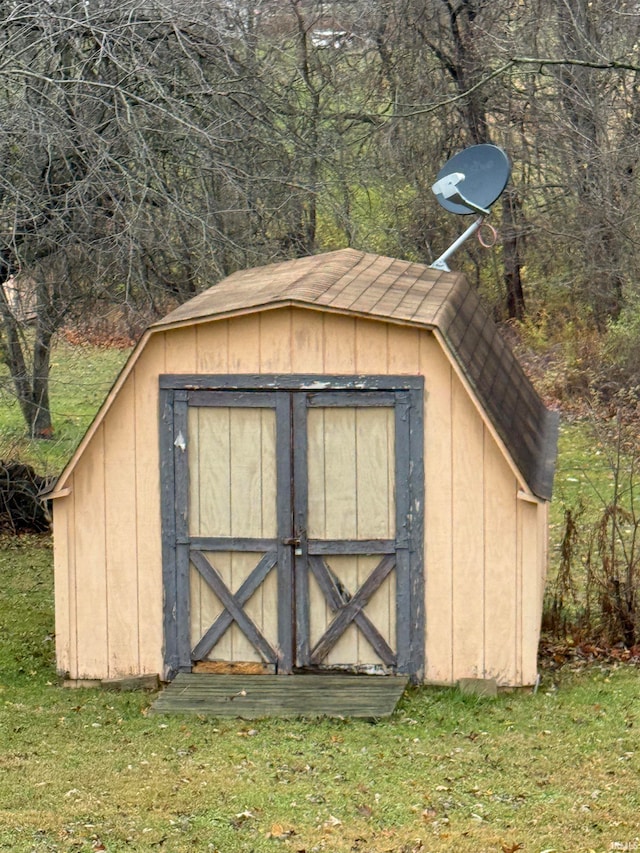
(79, 381)
(91, 770)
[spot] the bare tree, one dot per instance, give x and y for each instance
(142, 156)
(149, 147)
(595, 117)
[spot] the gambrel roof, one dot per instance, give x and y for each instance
(367, 285)
(360, 284)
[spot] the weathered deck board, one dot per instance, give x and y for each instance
(252, 697)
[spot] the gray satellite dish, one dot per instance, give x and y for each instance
(470, 182)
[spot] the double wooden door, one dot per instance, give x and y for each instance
(290, 523)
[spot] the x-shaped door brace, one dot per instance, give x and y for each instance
(351, 609)
(348, 608)
(233, 604)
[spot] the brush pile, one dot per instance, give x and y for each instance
(23, 505)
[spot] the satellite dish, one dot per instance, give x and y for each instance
(470, 182)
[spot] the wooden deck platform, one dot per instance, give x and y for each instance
(255, 696)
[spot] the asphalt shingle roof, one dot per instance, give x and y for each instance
(368, 285)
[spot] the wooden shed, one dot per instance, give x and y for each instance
(331, 463)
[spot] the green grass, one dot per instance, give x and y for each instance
(585, 468)
(583, 478)
(79, 381)
(593, 474)
(83, 768)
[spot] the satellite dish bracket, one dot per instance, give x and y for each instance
(441, 262)
(447, 187)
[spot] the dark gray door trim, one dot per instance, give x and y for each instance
(404, 393)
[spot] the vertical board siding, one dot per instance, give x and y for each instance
(308, 341)
(244, 344)
(121, 534)
(212, 347)
(90, 562)
(375, 473)
(340, 344)
(404, 350)
(533, 531)
(467, 446)
(210, 468)
(218, 345)
(147, 485)
(64, 583)
(485, 553)
(275, 342)
(438, 511)
(372, 347)
(501, 566)
(253, 509)
(521, 614)
(375, 477)
(332, 496)
(74, 668)
(253, 463)
(332, 464)
(181, 350)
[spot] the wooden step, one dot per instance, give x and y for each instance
(255, 696)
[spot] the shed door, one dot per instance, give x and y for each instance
(293, 545)
(345, 514)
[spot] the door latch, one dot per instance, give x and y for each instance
(295, 541)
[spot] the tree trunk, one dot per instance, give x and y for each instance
(40, 416)
(13, 355)
(33, 396)
(512, 255)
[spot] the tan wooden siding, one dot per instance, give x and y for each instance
(438, 511)
(308, 343)
(121, 534)
(468, 545)
(502, 628)
(483, 557)
(91, 617)
(245, 344)
(65, 582)
(147, 487)
(534, 532)
(481, 596)
(340, 344)
(275, 343)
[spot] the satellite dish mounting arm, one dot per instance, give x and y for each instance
(441, 262)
